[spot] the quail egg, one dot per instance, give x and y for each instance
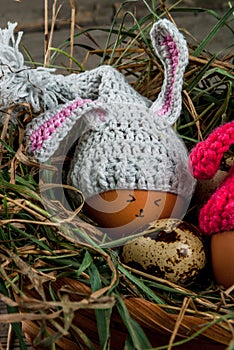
(173, 251)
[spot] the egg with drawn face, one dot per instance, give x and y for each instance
(128, 162)
(121, 213)
(173, 251)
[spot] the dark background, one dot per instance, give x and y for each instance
(98, 13)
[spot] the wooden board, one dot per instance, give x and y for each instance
(7, 337)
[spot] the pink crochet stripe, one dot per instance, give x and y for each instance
(218, 213)
(173, 56)
(205, 158)
(49, 127)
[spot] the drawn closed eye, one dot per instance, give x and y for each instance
(132, 198)
(156, 202)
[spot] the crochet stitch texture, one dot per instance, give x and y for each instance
(217, 214)
(128, 141)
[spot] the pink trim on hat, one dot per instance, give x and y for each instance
(173, 56)
(49, 127)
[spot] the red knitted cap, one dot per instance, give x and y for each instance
(218, 213)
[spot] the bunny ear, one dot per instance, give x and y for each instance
(45, 133)
(205, 158)
(171, 47)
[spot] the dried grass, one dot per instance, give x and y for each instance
(56, 278)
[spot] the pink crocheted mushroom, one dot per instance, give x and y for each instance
(216, 217)
(218, 213)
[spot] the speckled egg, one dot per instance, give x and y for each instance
(174, 251)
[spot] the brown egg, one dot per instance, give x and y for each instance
(175, 251)
(205, 188)
(222, 257)
(124, 212)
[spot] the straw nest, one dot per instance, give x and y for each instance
(67, 290)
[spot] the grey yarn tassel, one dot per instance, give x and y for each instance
(39, 87)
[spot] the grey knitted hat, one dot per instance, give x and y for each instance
(128, 141)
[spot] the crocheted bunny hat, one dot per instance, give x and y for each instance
(217, 214)
(128, 142)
